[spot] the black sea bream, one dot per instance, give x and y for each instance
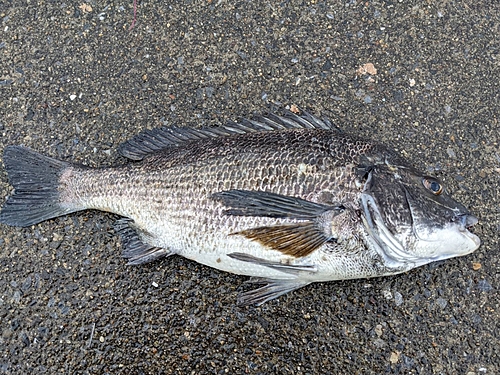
(288, 200)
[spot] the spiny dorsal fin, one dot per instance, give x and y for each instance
(151, 141)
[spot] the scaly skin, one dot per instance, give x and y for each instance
(168, 196)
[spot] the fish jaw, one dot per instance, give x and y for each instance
(453, 240)
(424, 243)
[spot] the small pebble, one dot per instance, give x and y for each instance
(442, 302)
(484, 286)
(17, 296)
(394, 358)
(398, 298)
(387, 294)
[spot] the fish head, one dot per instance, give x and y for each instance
(412, 219)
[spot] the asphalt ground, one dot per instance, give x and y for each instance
(75, 82)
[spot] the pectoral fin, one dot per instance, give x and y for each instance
(297, 239)
(260, 203)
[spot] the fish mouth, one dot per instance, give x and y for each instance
(466, 222)
(460, 224)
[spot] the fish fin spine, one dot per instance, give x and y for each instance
(157, 140)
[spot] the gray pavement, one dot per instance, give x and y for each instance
(75, 83)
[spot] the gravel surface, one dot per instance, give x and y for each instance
(75, 82)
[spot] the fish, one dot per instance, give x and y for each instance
(287, 199)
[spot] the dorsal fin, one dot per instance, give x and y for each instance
(155, 140)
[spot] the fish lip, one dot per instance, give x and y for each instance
(466, 221)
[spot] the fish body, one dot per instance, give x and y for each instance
(286, 200)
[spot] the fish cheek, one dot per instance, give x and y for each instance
(394, 207)
(430, 210)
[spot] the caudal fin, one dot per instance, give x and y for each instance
(35, 179)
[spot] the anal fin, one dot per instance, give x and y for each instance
(134, 248)
(271, 290)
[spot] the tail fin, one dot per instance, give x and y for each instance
(35, 179)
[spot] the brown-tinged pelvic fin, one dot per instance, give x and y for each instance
(297, 240)
(287, 268)
(134, 249)
(260, 203)
(271, 290)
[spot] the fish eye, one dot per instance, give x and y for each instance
(432, 185)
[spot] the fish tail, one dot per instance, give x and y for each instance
(36, 195)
